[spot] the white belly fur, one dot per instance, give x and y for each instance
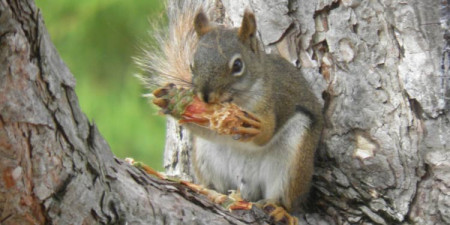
(259, 172)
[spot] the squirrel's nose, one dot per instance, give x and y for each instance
(203, 94)
(208, 96)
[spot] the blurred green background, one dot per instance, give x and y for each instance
(97, 40)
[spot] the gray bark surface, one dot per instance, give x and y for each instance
(383, 69)
(384, 159)
(55, 167)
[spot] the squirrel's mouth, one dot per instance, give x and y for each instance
(215, 97)
(226, 98)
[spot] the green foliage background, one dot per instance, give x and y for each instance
(97, 40)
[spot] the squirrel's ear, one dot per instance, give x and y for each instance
(201, 23)
(248, 26)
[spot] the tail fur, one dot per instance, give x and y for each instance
(169, 60)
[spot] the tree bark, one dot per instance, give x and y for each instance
(55, 166)
(384, 158)
(382, 68)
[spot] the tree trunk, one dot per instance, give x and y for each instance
(55, 166)
(383, 68)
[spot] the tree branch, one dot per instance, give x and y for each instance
(56, 167)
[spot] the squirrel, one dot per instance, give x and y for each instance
(227, 65)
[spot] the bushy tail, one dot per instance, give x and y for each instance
(168, 60)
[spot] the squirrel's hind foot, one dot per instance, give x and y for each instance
(278, 214)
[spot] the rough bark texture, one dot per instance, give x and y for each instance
(383, 66)
(55, 167)
(383, 70)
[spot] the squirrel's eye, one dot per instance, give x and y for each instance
(237, 65)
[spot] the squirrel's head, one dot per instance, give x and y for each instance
(223, 59)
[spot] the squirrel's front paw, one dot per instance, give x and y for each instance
(162, 96)
(229, 119)
(249, 127)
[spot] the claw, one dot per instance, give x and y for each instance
(158, 93)
(162, 103)
(250, 119)
(246, 131)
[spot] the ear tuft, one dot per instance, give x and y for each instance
(248, 26)
(201, 23)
